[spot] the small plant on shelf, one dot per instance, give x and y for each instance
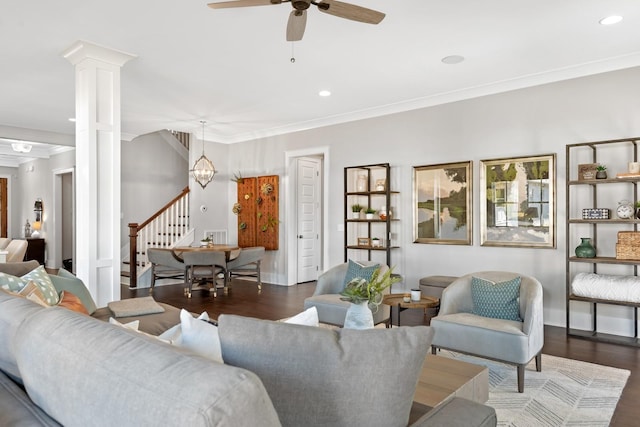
(356, 208)
(370, 211)
(601, 172)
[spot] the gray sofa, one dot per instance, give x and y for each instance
(58, 367)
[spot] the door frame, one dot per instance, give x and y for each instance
(290, 208)
(55, 256)
(10, 226)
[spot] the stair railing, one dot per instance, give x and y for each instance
(163, 229)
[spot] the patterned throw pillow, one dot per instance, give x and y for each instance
(355, 270)
(33, 293)
(497, 300)
(41, 278)
(12, 283)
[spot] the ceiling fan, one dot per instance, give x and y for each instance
(298, 16)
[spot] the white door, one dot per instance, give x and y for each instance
(308, 217)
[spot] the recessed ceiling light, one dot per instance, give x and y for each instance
(610, 20)
(72, 119)
(324, 93)
(21, 147)
(452, 59)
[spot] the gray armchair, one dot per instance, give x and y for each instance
(247, 263)
(510, 341)
(164, 265)
(326, 298)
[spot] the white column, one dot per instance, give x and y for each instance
(97, 74)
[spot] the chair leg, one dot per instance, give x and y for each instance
(539, 362)
(521, 377)
(259, 279)
(153, 280)
(433, 349)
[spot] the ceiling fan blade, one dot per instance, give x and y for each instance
(242, 3)
(296, 25)
(350, 11)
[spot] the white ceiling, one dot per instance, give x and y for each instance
(232, 67)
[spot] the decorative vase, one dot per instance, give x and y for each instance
(356, 215)
(585, 249)
(359, 316)
(369, 216)
(601, 175)
(361, 184)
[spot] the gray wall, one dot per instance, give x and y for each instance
(537, 120)
(153, 173)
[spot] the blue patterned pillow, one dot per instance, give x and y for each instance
(497, 300)
(12, 283)
(41, 278)
(355, 270)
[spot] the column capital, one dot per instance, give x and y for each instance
(81, 50)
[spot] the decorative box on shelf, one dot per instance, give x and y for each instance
(628, 245)
(595, 213)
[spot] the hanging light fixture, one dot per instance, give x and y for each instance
(203, 170)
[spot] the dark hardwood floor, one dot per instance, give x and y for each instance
(276, 302)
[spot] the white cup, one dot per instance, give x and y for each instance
(416, 294)
(634, 167)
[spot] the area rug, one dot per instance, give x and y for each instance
(566, 393)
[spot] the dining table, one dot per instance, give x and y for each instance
(230, 251)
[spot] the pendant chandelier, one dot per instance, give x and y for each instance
(203, 170)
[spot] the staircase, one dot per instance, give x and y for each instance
(164, 229)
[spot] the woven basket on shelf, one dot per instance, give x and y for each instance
(629, 237)
(628, 246)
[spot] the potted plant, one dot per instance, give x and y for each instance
(375, 242)
(369, 213)
(365, 297)
(356, 210)
(206, 241)
(638, 209)
(601, 172)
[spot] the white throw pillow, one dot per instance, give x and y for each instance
(130, 325)
(173, 335)
(309, 317)
(200, 337)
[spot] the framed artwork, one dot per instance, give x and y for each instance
(442, 206)
(364, 241)
(518, 202)
(587, 171)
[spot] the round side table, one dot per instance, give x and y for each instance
(398, 301)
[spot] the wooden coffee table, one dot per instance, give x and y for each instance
(443, 377)
(398, 301)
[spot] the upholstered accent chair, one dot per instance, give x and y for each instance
(457, 328)
(164, 265)
(247, 263)
(203, 265)
(16, 249)
(326, 298)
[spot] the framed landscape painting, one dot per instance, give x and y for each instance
(518, 202)
(442, 211)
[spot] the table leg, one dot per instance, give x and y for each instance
(399, 315)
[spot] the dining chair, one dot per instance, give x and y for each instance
(247, 263)
(202, 265)
(164, 265)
